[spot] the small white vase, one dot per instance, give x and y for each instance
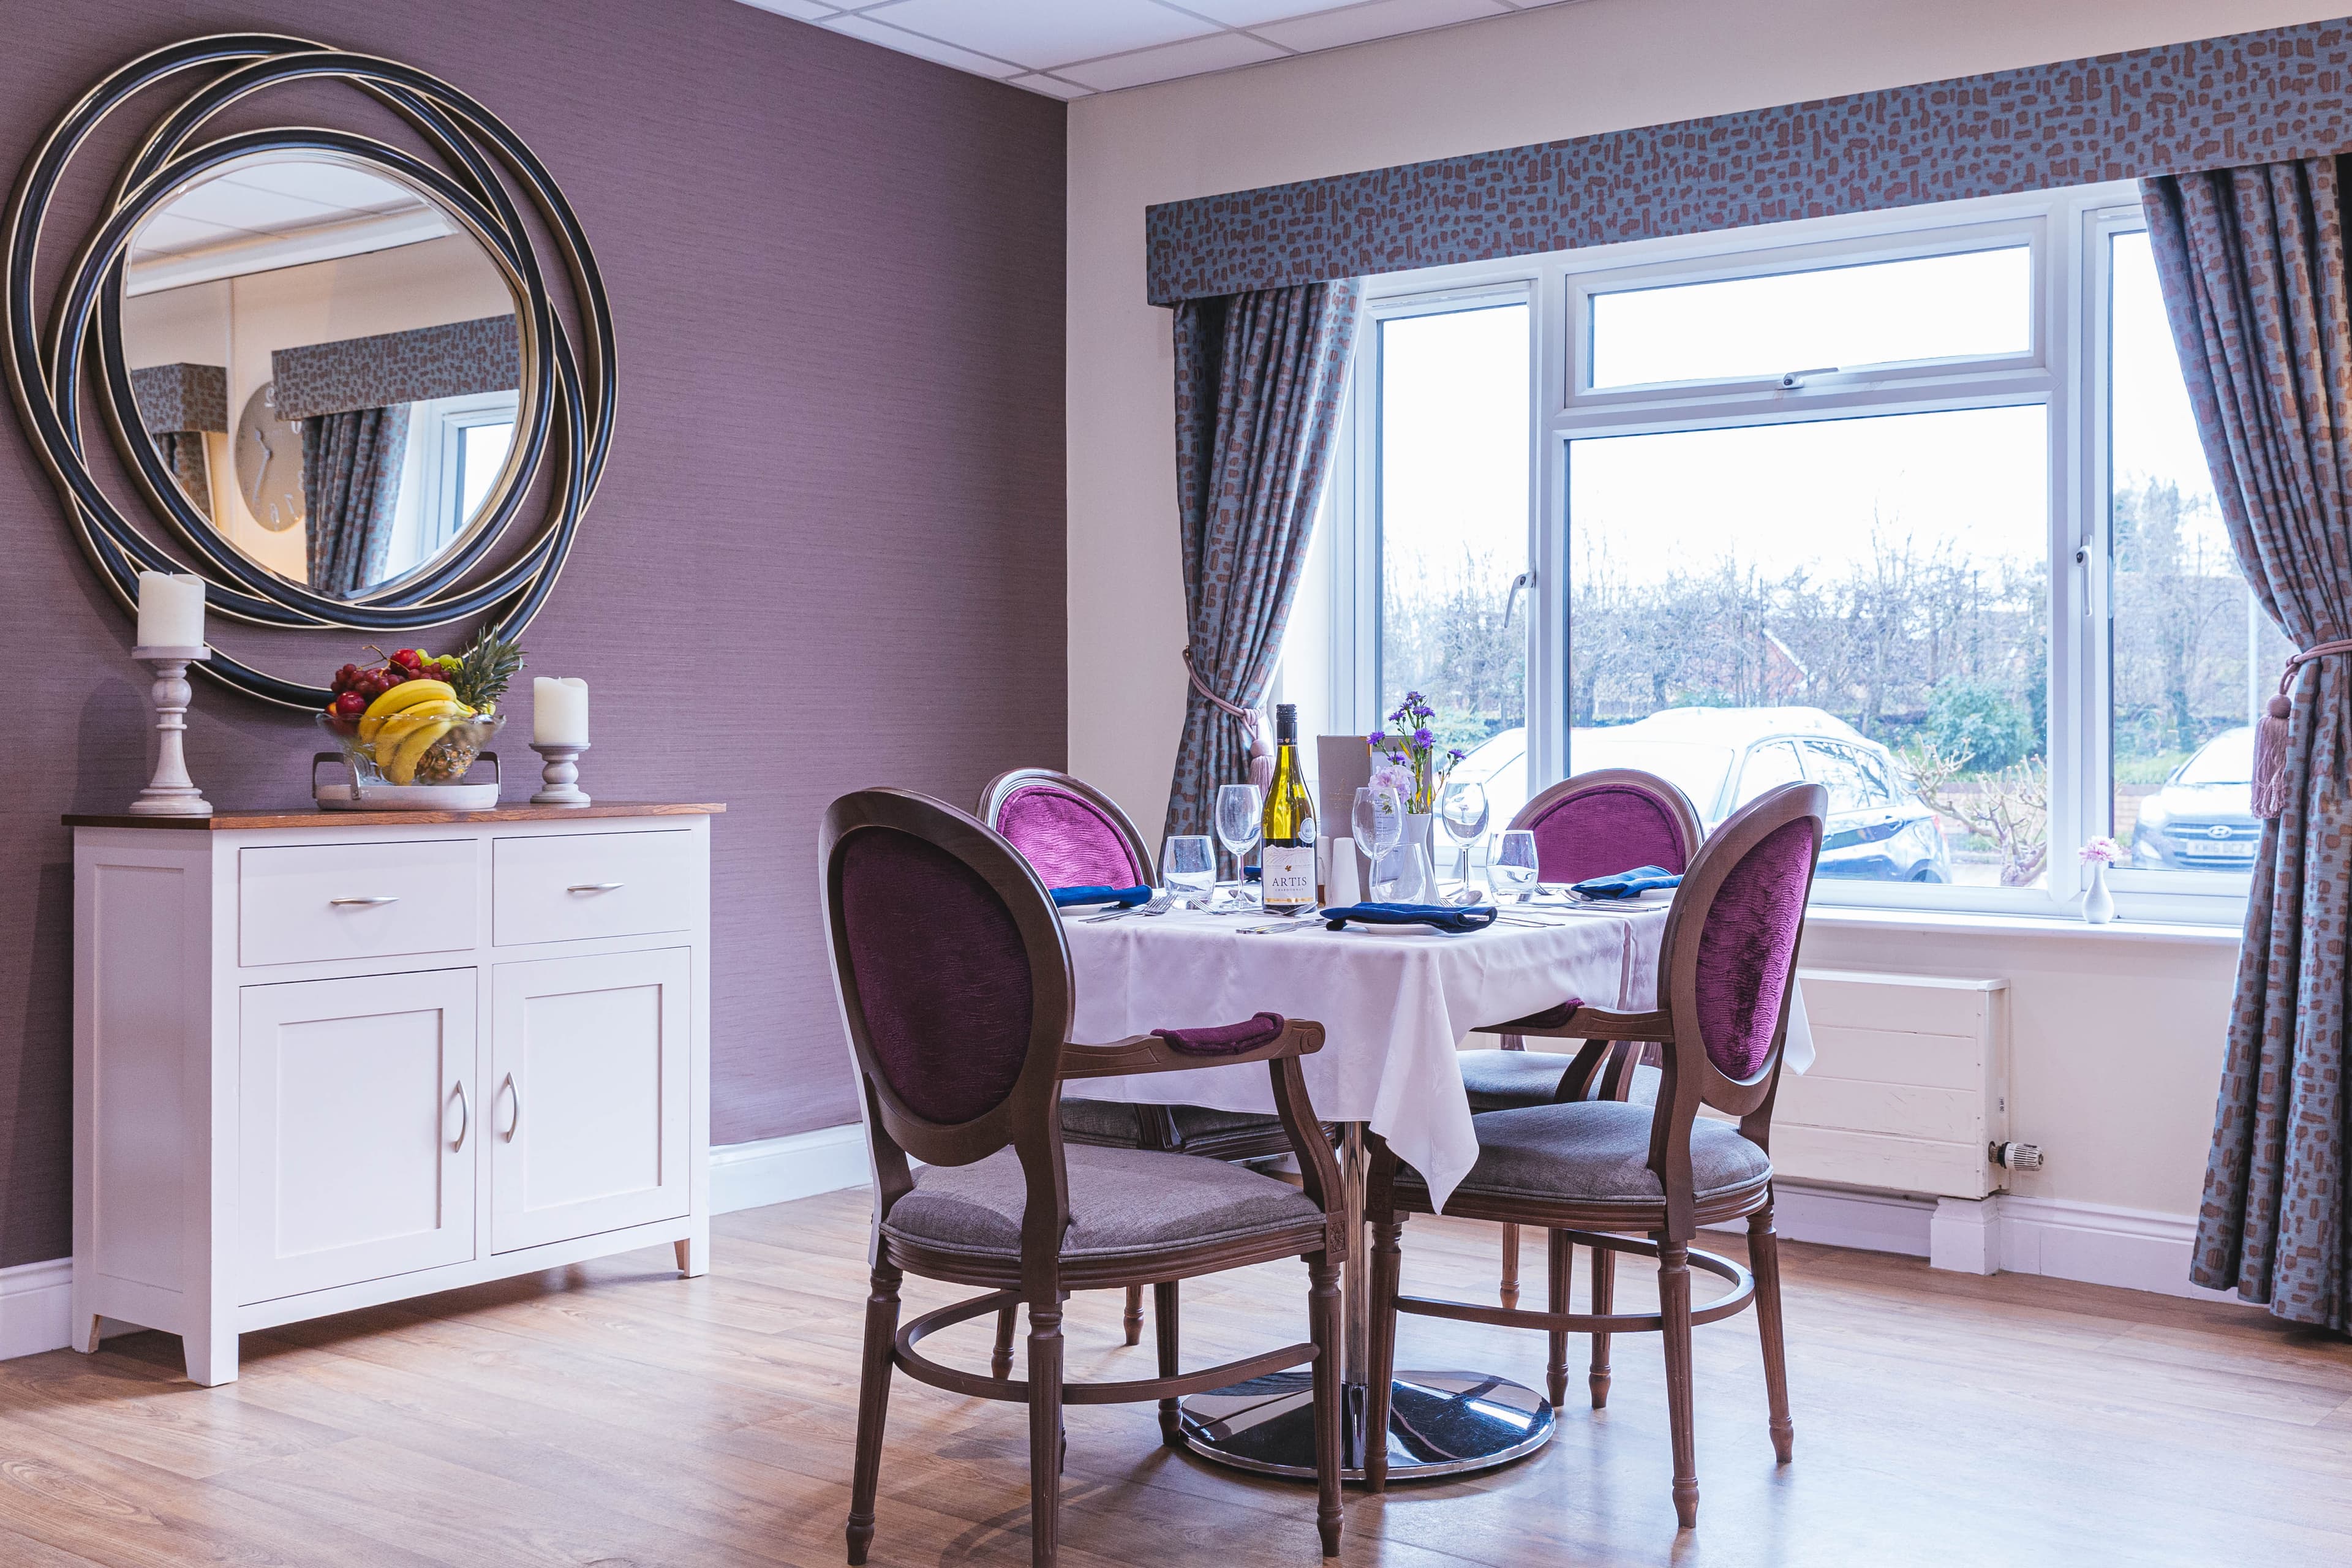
(2098, 904)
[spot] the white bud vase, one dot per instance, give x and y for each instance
(2098, 904)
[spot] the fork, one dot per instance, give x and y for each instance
(1159, 904)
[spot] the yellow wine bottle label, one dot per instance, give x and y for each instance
(1287, 873)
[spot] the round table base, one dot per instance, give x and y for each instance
(1440, 1423)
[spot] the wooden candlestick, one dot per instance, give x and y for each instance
(559, 772)
(171, 793)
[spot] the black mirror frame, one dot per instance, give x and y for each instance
(564, 423)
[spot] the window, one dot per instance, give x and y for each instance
(457, 447)
(1909, 505)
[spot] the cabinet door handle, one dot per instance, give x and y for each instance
(464, 1119)
(366, 903)
(515, 1124)
(594, 886)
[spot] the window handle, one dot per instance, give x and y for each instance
(1524, 580)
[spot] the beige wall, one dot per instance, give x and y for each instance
(2093, 1017)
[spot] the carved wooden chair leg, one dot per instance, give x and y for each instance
(1675, 1308)
(1604, 1299)
(1510, 1266)
(1164, 1325)
(873, 1407)
(1764, 1260)
(1045, 1443)
(1323, 1319)
(1133, 1322)
(1561, 1265)
(1388, 1265)
(1008, 1318)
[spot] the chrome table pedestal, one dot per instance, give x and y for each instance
(1440, 1423)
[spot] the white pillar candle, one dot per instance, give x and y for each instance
(558, 711)
(171, 610)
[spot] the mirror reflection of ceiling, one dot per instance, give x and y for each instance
(266, 214)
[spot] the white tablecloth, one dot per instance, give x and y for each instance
(1395, 1006)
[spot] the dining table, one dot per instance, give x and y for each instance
(1396, 1003)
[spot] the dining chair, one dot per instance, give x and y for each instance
(1607, 1172)
(1608, 820)
(1074, 836)
(954, 983)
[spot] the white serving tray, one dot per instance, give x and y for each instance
(352, 795)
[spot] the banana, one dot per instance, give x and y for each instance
(411, 750)
(399, 700)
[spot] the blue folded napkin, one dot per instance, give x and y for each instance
(1630, 884)
(1125, 897)
(1453, 920)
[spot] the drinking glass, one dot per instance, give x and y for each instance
(1513, 868)
(1379, 823)
(1188, 864)
(1240, 820)
(1464, 810)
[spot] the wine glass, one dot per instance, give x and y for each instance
(1379, 822)
(1188, 864)
(1240, 820)
(1464, 810)
(1514, 866)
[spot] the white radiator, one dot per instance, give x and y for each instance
(1908, 1088)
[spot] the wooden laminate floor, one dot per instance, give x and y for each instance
(613, 1414)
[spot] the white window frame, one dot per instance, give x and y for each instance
(2068, 233)
(442, 455)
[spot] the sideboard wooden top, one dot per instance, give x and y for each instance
(238, 821)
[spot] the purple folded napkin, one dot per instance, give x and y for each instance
(1227, 1039)
(1551, 1017)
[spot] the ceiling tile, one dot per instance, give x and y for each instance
(799, 10)
(1218, 51)
(1250, 13)
(1380, 20)
(908, 43)
(1042, 34)
(1050, 86)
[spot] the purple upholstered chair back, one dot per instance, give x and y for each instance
(946, 950)
(1611, 820)
(1073, 836)
(1745, 894)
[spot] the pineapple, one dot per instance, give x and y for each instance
(483, 673)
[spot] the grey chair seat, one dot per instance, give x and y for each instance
(1113, 1123)
(1597, 1151)
(1505, 1080)
(1122, 1200)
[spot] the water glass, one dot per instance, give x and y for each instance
(1464, 810)
(1188, 864)
(1240, 821)
(1379, 823)
(1514, 867)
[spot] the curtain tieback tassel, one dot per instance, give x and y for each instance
(1261, 762)
(2270, 734)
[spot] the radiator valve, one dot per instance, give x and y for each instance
(2016, 1156)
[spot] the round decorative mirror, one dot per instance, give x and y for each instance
(350, 383)
(328, 364)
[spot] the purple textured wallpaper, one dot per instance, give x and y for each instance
(828, 551)
(2251, 97)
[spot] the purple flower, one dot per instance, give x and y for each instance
(1377, 738)
(1455, 753)
(1422, 737)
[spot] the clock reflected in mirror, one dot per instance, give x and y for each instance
(365, 341)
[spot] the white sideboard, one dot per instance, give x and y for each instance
(325, 1060)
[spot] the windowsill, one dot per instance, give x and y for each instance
(1855, 917)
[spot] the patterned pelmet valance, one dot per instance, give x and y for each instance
(2251, 97)
(452, 361)
(181, 398)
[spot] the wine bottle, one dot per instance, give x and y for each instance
(1287, 860)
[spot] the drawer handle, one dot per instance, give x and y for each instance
(464, 1119)
(594, 886)
(365, 903)
(515, 1125)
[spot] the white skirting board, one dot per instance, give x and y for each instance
(36, 1306)
(778, 1170)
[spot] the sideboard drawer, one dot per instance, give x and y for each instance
(572, 887)
(302, 903)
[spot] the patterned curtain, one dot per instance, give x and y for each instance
(1258, 383)
(2252, 263)
(350, 487)
(182, 452)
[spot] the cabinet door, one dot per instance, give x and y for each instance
(361, 1113)
(588, 1105)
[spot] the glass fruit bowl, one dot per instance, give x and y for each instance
(430, 747)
